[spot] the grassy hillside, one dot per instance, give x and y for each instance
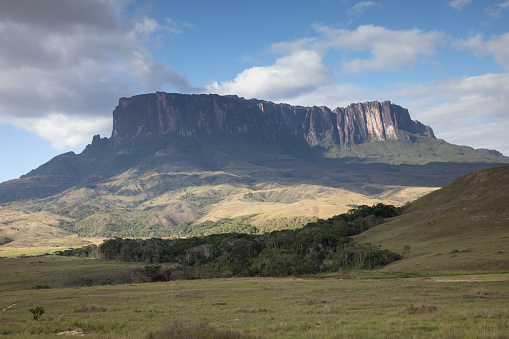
(463, 226)
(420, 152)
(35, 233)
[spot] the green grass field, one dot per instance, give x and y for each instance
(448, 306)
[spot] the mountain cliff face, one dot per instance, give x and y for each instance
(159, 115)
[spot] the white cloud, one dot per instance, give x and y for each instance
(459, 4)
(467, 111)
(65, 131)
(289, 77)
(496, 46)
(389, 49)
(336, 95)
(63, 61)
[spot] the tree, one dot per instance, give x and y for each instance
(37, 312)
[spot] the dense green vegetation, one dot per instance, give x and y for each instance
(321, 246)
(116, 223)
(5, 240)
(421, 150)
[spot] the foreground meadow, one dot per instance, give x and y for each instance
(459, 306)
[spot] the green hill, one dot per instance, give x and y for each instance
(463, 226)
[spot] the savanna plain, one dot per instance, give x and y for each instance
(354, 304)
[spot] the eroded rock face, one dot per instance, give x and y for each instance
(160, 115)
(374, 121)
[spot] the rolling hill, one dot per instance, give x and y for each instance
(463, 226)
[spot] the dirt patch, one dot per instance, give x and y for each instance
(8, 307)
(76, 331)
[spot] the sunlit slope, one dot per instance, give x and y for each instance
(462, 226)
(34, 233)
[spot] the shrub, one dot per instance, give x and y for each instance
(5, 240)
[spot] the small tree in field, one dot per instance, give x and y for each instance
(37, 312)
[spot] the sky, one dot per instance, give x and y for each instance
(65, 63)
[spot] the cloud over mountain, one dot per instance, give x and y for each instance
(66, 63)
(290, 76)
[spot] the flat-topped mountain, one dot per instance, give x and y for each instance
(159, 115)
(179, 164)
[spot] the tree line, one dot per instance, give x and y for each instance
(321, 246)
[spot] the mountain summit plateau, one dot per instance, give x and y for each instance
(160, 115)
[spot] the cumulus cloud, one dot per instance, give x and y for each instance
(63, 59)
(467, 111)
(459, 4)
(496, 46)
(66, 131)
(290, 76)
(388, 49)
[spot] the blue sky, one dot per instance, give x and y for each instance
(65, 63)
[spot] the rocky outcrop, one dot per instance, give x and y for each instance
(161, 115)
(374, 121)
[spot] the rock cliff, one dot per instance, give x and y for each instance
(161, 115)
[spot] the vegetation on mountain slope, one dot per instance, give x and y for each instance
(185, 187)
(198, 186)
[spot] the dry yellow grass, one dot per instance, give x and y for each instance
(35, 233)
(315, 202)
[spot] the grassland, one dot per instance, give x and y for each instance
(463, 226)
(468, 306)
